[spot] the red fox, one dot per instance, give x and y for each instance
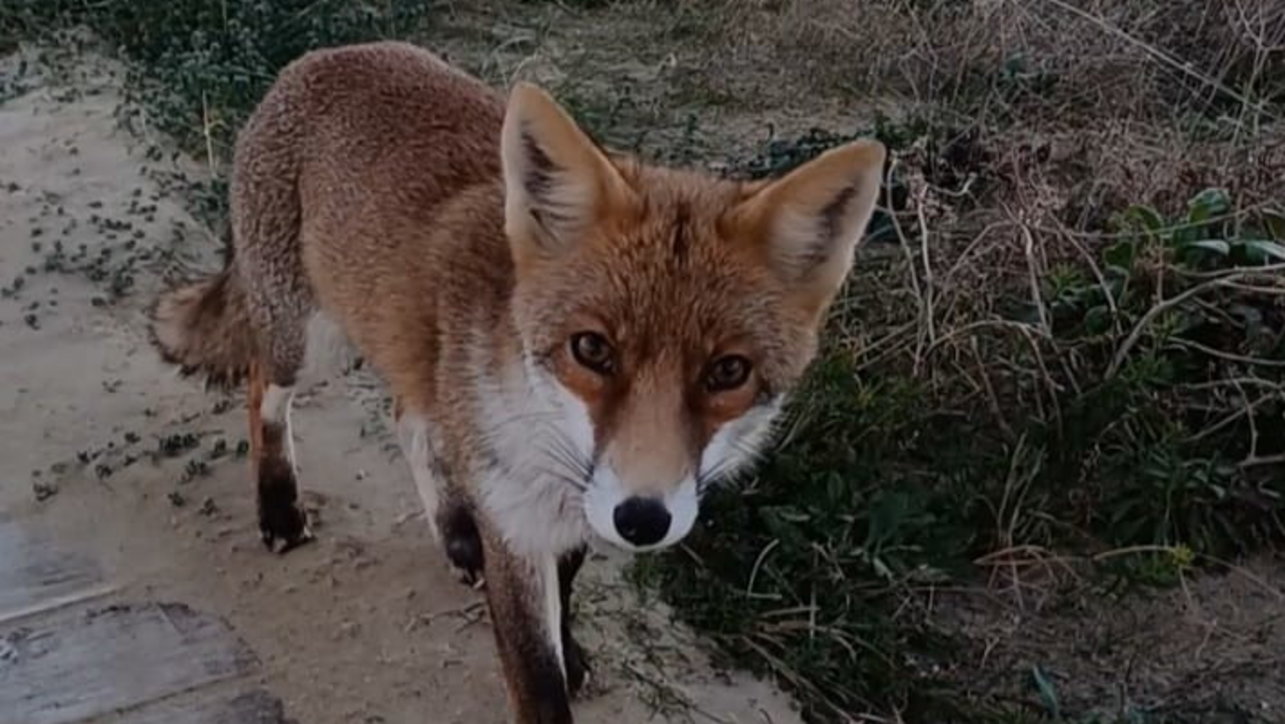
(578, 343)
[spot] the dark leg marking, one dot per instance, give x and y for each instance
(281, 518)
(573, 656)
(461, 539)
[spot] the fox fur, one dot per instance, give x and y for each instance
(578, 343)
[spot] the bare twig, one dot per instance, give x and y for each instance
(1155, 311)
(1182, 67)
(1033, 278)
(1229, 356)
(1263, 460)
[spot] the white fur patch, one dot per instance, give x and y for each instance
(275, 409)
(413, 434)
(328, 349)
(684, 505)
(600, 501)
(552, 606)
(739, 442)
(533, 496)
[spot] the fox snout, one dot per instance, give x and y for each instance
(640, 521)
(642, 494)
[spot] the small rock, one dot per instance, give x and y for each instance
(44, 491)
(349, 628)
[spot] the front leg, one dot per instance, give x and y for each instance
(462, 542)
(525, 601)
(573, 656)
(450, 519)
(464, 551)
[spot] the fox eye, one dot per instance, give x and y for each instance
(727, 373)
(593, 351)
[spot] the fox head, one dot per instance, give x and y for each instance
(666, 314)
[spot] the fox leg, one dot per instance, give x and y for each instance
(525, 602)
(281, 517)
(269, 265)
(573, 657)
(462, 542)
(449, 517)
(272, 381)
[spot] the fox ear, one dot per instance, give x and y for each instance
(809, 221)
(557, 182)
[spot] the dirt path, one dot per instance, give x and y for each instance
(108, 453)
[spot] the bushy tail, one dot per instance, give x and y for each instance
(204, 328)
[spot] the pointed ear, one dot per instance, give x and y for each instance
(557, 182)
(808, 222)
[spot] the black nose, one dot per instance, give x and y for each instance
(641, 521)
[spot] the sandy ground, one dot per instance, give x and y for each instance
(106, 451)
(1209, 650)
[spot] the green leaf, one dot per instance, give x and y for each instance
(1260, 251)
(836, 490)
(1217, 246)
(1207, 204)
(1120, 256)
(1249, 316)
(887, 512)
(1275, 223)
(1097, 320)
(1116, 287)
(1048, 694)
(1014, 66)
(1146, 217)
(1027, 313)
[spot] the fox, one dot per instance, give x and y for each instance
(578, 343)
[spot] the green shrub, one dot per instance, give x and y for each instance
(202, 66)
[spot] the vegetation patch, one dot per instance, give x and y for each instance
(200, 67)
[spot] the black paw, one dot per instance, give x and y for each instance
(575, 662)
(463, 543)
(282, 522)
